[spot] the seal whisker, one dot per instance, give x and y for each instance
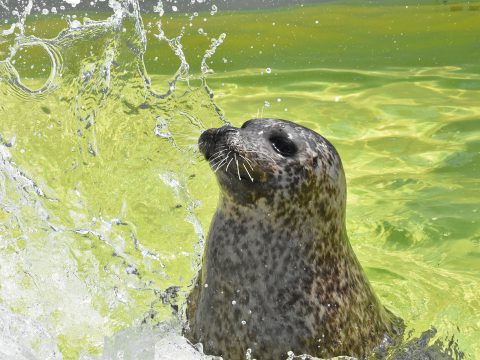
(226, 169)
(250, 176)
(219, 161)
(220, 164)
(262, 153)
(217, 155)
(247, 160)
(238, 168)
(214, 159)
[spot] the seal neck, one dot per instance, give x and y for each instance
(313, 222)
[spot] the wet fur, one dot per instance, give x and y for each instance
(279, 273)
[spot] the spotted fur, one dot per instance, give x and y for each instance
(279, 273)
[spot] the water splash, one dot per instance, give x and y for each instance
(87, 245)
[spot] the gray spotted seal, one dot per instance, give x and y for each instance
(278, 272)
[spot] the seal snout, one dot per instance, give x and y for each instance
(207, 143)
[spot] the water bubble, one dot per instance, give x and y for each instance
(53, 10)
(244, 322)
(214, 10)
(73, 2)
(268, 70)
(159, 8)
(45, 12)
(234, 302)
(174, 8)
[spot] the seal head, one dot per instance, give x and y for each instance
(278, 272)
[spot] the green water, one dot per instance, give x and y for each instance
(105, 202)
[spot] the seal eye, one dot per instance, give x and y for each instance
(283, 145)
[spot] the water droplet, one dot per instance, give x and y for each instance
(244, 322)
(268, 70)
(174, 8)
(316, 21)
(279, 100)
(337, 98)
(234, 302)
(266, 104)
(75, 24)
(45, 12)
(206, 285)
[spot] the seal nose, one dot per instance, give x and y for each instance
(209, 138)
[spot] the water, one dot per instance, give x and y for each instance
(105, 202)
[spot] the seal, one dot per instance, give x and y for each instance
(278, 272)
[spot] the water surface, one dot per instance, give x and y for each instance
(105, 202)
